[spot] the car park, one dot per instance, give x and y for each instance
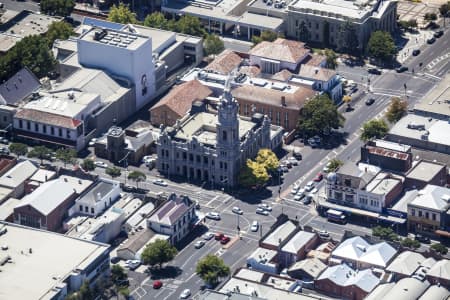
(370, 101)
(374, 71)
(224, 240)
(401, 69)
(157, 284)
(261, 211)
(185, 294)
(199, 244)
(213, 215)
(438, 34)
(218, 236)
(265, 206)
(237, 210)
(431, 40)
(318, 177)
(255, 226)
(100, 164)
(160, 182)
(416, 52)
(207, 236)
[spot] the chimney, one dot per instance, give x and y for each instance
(283, 100)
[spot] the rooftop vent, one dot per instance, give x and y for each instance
(98, 35)
(416, 126)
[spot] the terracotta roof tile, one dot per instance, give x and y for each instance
(283, 75)
(47, 118)
(315, 60)
(180, 98)
(225, 62)
(252, 71)
(316, 73)
(280, 49)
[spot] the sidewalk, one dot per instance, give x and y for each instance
(415, 41)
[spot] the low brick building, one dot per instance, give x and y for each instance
(424, 173)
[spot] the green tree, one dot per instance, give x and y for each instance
(412, 23)
(319, 115)
(444, 10)
(137, 176)
(268, 36)
(118, 275)
(85, 293)
(121, 14)
(331, 58)
(31, 52)
(66, 155)
(158, 252)
(381, 45)
(58, 31)
(438, 247)
(18, 149)
(334, 164)
(156, 20)
(430, 17)
(410, 243)
(374, 129)
(268, 159)
(253, 174)
(211, 268)
(190, 25)
(40, 152)
(213, 44)
(113, 172)
(384, 233)
(88, 165)
(347, 38)
(61, 8)
(397, 109)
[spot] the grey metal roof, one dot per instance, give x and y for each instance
(298, 241)
(279, 235)
(19, 86)
(18, 174)
(102, 188)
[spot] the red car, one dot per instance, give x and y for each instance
(218, 236)
(157, 284)
(318, 177)
(224, 240)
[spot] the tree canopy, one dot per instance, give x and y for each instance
(121, 14)
(137, 176)
(61, 8)
(32, 52)
(190, 25)
(66, 155)
(88, 164)
(213, 44)
(268, 159)
(58, 31)
(444, 9)
(40, 152)
(319, 115)
(397, 109)
(158, 252)
(334, 164)
(384, 233)
(347, 39)
(381, 45)
(113, 172)
(156, 20)
(374, 129)
(118, 275)
(438, 247)
(18, 149)
(211, 268)
(410, 243)
(331, 58)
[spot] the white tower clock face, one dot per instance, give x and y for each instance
(144, 80)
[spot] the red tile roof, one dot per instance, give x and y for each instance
(47, 118)
(281, 50)
(224, 63)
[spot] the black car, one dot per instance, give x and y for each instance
(374, 71)
(431, 40)
(438, 34)
(401, 69)
(422, 239)
(370, 101)
(416, 52)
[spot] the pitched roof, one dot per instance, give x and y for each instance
(18, 174)
(171, 211)
(342, 275)
(280, 234)
(298, 241)
(19, 86)
(311, 266)
(316, 73)
(252, 71)
(314, 59)
(180, 98)
(280, 49)
(47, 118)
(283, 75)
(294, 100)
(406, 263)
(441, 269)
(225, 62)
(433, 197)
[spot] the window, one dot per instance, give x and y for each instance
(81, 207)
(224, 135)
(191, 157)
(184, 155)
(52, 130)
(420, 213)
(347, 182)
(92, 210)
(296, 23)
(20, 124)
(86, 209)
(205, 159)
(317, 25)
(36, 127)
(220, 165)
(28, 125)
(427, 215)
(198, 158)
(433, 217)
(270, 113)
(413, 212)
(225, 165)
(44, 128)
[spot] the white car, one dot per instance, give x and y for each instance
(261, 211)
(213, 215)
(294, 190)
(92, 142)
(132, 264)
(265, 207)
(293, 161)
(298, 197)
(199, 244)
(185, 294)
(323, 234)
(309, 186)
(255, 226)
(160, 182)
(100, 164)
(207, 236)
(146, 158)
(237, 210)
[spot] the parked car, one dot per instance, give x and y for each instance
(261, 211)
(438, 34)
(431, 40)
(318, 177)
(326, 169)
(213, 215)
(237, 210)
(157, 284)
(293, 161)
(92, 142)
(224, 240)
(295, 190)
(323, 234)
(160, 182)
(114, 260)
(416, 52)
(401, 69)
(255, 226)
(4, 141)
(307, 200)
(299, 196)
(374, 71)
(100, 164)
(207, 236)
(309, 186)
(218, 236)
(422, 238)
(297, 154)
(185, 294)
(370, 101)
(265, 206)
(132, 264)
(199, 244)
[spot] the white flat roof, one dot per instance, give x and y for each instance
(52, 259)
